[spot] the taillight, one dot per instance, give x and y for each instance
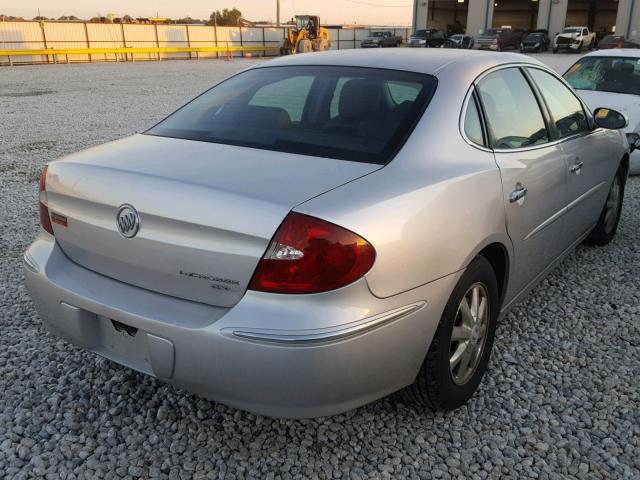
(309, 255)
(45, 220)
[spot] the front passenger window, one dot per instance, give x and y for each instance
(514, 119)
(565, 108)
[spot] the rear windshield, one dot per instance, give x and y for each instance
(348, 113)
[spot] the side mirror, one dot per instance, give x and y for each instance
(611, 119)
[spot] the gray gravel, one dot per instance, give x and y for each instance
(561, 399)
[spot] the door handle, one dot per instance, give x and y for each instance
(518, 194)
(576, 167)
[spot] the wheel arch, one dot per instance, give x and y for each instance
(497, 254)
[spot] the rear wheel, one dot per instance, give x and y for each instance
(607, 225)
(460, 349)
(555, 50)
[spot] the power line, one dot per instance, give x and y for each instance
(370, 4)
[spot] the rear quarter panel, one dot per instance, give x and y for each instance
(431, 209)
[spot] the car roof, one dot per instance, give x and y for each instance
(616, 52)
(430, 61)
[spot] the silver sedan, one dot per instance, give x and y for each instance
(321, 230)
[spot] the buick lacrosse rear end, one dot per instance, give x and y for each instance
(322, 230)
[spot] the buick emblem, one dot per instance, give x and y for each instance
(128, 221)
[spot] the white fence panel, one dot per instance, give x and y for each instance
(21, 36)
(104, 35)
(203, 36)
(273, 38)
(173, 36)
(66, 35)
(140, 36)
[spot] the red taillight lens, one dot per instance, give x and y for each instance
(45, 220)
(309, 255)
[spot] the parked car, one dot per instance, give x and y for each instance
(500, 39)
(430, 38)
(536, 41)
(381, 39)
(612, 78)
(317, 232)
(616, 41)
(574, 39)
(458, 41)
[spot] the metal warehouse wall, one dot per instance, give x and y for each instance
(45, 35)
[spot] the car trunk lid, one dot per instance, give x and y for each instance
(207, 211)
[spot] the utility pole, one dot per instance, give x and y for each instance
(277, 13)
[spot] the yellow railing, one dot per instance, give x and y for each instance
(132, 50)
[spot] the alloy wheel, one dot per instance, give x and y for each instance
(469, 333)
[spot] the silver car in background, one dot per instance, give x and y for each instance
(321, 230)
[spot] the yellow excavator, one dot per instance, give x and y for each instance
(307, 36)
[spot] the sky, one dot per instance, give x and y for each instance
(380, 12)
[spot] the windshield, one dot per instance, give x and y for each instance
(494, 31)
(348, 113)
(572, 30)
(611, 39)
(606, 74)
(534, 36)
(422, 33)
(377, 34)
(302, 21)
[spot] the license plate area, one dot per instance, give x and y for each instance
(124, 344)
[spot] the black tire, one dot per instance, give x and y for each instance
(434, 386)
(605, 231)
(555, 50)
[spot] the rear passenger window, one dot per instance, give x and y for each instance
(566, 110)
(513, 116)
(472, 124)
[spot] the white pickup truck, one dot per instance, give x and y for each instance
(574, 39)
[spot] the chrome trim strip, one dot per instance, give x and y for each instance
(585, 195)
(547, 222)
(565, 210)
(300, 337)
(30, 262)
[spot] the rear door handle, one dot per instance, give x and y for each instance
(518, 194)
(576, 167)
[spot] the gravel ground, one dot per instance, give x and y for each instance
(561, 399)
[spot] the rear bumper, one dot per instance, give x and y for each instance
(277, 355)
